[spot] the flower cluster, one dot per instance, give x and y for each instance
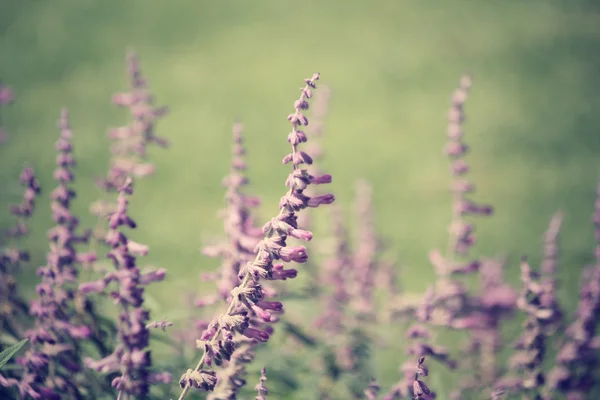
(577, 360)
(131, 357)
(72, 354)
(53, 365)
(450, 292)
(247, 297)
(240, 248)
(12, 305)
(365, 258)
(531, 346)
(315, 132)
(130, 142)
(334, 274)
(242, 234)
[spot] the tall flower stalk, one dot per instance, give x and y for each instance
(246, 298)
(130, 142)
(53, 364)
(131, 358)
(577, 360)
(238, 223)
(239, 249)
(12, 306)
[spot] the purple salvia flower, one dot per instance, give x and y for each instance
(13, 307)
(232, 377)
(333, 276)
(130, 142)
(240, 249)
(531, 346)
(315, 132)
(577, 360)
(461, 233)
(365, 257)
(495, 302)
(549, 270)
(451, 294)
(340, 321)
(242, 234)
(55, 336)
(269, 250)
(131, 357)
(450, 303)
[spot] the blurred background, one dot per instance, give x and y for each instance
(533, 117)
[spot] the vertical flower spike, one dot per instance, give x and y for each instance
(461, 232)
(577, 360)
(315, 132)
(246, 297)
(365, 257)
(549, 270)
(53, 365)
(451, 293)
(6, 97)
(11, 256)
(131, 357)
(130, 142)
(239, 250)
(494, 303)
(242, 234)
(333, 277)
(531, 346)
(449, 303)
(260, 387)
(13, 306)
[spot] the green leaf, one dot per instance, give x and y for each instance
(11, 351)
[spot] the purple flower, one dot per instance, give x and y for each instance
(131, 357)
(130, 142)
(55, 305)
(273, 247)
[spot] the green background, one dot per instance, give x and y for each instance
(533, 117)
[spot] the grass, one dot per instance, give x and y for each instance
(533, 115)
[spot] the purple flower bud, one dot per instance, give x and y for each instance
(301, 157)
(301, 234)
(283, 274)
(294, 253)
(318, 200)
(319, 180)
(455, 149)
(459, 167)
(296, 137)
(256, 334)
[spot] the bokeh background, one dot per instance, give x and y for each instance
(533, 117)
